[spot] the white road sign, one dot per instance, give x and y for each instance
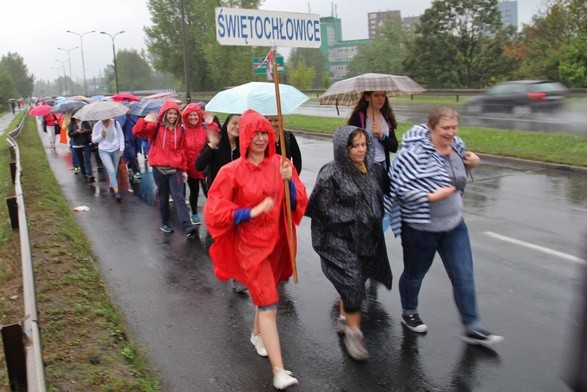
(250, 27)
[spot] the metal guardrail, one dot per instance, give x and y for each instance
(33, 374)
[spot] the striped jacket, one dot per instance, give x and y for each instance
(418, 169)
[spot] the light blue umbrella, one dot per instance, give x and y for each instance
(259, 96)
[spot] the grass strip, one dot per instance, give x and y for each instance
(86, 344)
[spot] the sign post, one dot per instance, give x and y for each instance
(250, 27)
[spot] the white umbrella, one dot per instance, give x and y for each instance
(348, 91)
(101, 110)
(259, 96)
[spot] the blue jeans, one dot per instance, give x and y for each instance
(172, 183)
(84, 155)
(454, 248)
(110, 161)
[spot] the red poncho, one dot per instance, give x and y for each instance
(254, 252)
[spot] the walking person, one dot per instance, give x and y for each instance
(221, 148)
(245, 214)
(428, 179)
(51, 124)
(374, 114)
(167, 157)
(108, 135)
(346, 208)
(195, 140)
(292, 149)
(80, 134)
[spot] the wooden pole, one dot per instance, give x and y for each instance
(289, 227)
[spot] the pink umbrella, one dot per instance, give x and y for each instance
(125, 97)
(40, 110)
(162, 96)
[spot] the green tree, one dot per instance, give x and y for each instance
(459, 43)
(134, 72)
(313, 60)
(301, 76)
(573, 64)
(543, 44)
(13, 64)
(7, 89)
(209, 65)
(386, 53)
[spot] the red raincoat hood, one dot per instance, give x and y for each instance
(190, 108)
(169, 104)
(249, 124)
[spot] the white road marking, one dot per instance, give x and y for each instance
(535, 247)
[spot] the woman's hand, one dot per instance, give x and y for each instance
(471, 160)
(213, 138)
(286, 170)
(103, 133)
(265, 206)
(184, 176)
(377, 132)
(441, 193)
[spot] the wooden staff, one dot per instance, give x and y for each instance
(289, 227)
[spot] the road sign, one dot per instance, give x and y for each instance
(259, 68)
(250, 27)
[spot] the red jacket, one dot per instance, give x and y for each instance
(195, 139)
(255, 252)
(167, 144)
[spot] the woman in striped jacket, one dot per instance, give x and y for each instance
(428, 178)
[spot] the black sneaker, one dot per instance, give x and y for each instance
(482, 337)
(191, 233)
(414, 323)
(166, 228)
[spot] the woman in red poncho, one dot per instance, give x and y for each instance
(245, 215)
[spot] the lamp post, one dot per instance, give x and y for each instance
(58, 80)
(81, 44)
(64, 77)
(69, 60)
(114, 55)
(186, 73)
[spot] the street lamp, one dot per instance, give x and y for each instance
(186, 73)
(81, 44)
(69, 60)
(64, 77)
(114, 55)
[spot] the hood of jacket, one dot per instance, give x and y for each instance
(167, 105)
(419, 135)
(190, 108)
(250, 123)
(341, 155)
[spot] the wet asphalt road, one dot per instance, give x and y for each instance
(195, 330)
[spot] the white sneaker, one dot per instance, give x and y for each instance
(259, 346)
(283, 379)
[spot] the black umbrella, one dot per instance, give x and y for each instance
(68, 106)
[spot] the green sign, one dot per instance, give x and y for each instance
(261, 69)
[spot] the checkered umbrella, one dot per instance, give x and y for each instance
(348, 91)
(101, 110)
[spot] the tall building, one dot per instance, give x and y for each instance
(338, 53)
(509, 13)
(376, 19)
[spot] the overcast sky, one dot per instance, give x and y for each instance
(47, 22)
